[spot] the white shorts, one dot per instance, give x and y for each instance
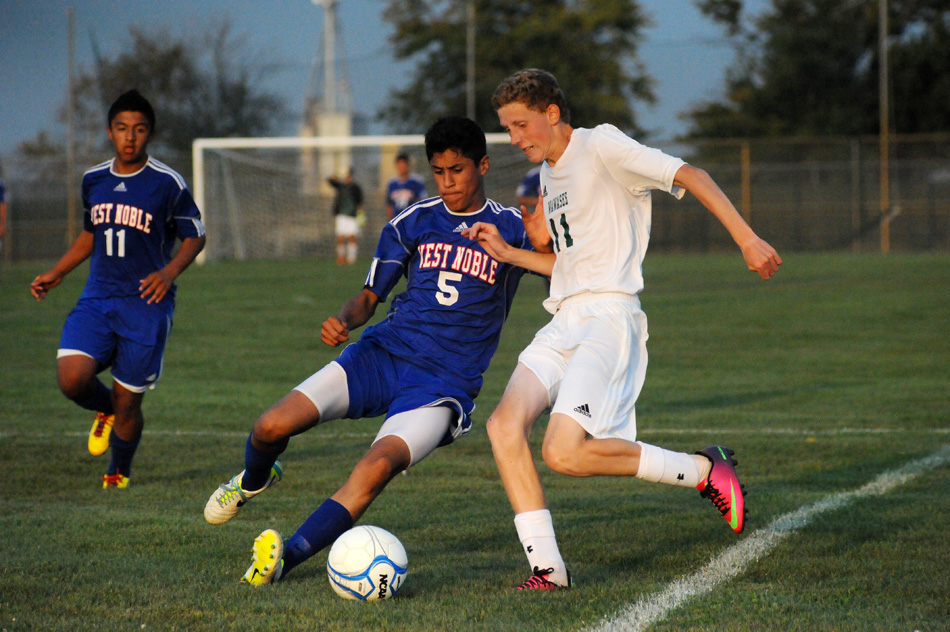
(592, 359)
(423, 429)
(346, 226)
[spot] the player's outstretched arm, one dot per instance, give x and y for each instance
(488, 237)
(77, 253)
(759, 255)
(155, 286)
(354, 313)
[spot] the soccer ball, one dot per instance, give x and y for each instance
(367, 563)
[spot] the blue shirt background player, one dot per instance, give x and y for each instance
(3, 215)
(134, 208)
(529, 189)
(405, 189)
(421, 366)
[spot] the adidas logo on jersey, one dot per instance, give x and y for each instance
(120, 187)
(583, 409)
(460, 227)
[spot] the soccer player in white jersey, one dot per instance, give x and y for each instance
(422, 366)
(588, 364)
(134, 208)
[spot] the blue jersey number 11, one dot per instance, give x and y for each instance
(120, 242)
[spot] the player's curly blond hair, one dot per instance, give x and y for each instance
(535, 88)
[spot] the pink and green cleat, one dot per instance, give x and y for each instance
(722, 486)
(539, 581)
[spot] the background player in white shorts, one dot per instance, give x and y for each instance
(587, 366)
(422, 366)
(347, 205)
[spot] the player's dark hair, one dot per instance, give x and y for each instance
(402, 156)
(132, 101)
(535, 88)
(457, 133)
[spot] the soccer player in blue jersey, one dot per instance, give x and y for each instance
(3, 215)
(134, 208)
(403, 190)
(422, 366)
(529, 190)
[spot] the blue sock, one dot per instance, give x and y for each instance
(100, 401)
(321, 529)
(122, 453)
(257, 465)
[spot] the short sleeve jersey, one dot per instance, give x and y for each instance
(450, 316)
(134, 220)
(400, 194)
(349, 198)
(597, 207)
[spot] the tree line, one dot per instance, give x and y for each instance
(803, 68)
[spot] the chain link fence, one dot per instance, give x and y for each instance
(799, 194)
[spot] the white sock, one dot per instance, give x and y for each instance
(536, 532)
(351, 252)
(671, 468)
(340, 251)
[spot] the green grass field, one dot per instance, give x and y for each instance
(823, 378)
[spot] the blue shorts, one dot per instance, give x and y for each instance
(379, 383)
(123, 333)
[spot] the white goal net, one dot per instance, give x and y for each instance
(269, 197)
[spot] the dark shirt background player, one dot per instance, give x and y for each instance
(347, 205)
(422, 366)
(134, 208)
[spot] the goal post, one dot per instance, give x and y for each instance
(269, 197)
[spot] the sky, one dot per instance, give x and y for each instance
(684, 52)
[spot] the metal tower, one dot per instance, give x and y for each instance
(328, 110)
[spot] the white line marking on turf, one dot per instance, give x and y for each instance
(736, 558)
(708, 431)
(185, 433)
(791, 431)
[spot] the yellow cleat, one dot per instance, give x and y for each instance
(99, 435)
(115, 480)
(268, 564)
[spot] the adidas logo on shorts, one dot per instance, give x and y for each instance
(583, 409)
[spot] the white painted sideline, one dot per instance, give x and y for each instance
(679, 431)
(736, 558)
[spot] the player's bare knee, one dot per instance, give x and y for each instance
(376, 469)
(73, 386)
(561, 459)
(503, 431)
(269, 429)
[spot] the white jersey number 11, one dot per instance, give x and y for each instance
(568, 240)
